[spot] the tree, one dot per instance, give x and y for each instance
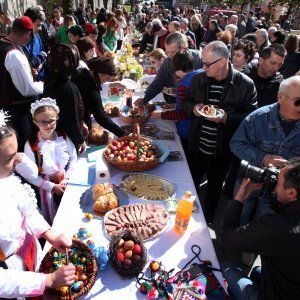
(292, 6)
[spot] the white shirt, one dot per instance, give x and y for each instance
(16, 63)
(18, 204)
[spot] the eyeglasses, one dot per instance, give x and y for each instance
(47, 122)
(206, 65)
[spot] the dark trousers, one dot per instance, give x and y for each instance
(21, 120)
(119, 44)
(215, 170)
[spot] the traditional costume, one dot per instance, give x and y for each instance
(20, 225)
(55, 160)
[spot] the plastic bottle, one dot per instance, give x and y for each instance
(184, 212)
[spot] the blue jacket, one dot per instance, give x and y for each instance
(261, 133)
(183, 127)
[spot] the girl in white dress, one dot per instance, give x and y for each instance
(20, 226)
(54, 154)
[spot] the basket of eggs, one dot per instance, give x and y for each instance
(127, 254)
(83, 259)
(132, 153)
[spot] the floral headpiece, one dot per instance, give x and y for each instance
(44, 102)
(3, 119)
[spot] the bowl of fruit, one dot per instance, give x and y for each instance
(127, 254)
(135, 153)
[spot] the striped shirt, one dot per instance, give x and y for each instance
(209, 129)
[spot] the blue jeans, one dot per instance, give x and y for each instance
(240, 286)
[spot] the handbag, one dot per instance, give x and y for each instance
(194, 282)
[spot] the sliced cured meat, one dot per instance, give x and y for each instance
(142, 220)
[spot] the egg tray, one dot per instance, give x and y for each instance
(92, 274)
(113, 250)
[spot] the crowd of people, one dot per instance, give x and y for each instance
(52, 71)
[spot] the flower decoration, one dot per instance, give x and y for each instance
(127, 65)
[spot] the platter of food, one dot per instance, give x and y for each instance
(169, 91)
(145, 128)
(142, 220)
(148, 187)
(210, 112)
(111, 110)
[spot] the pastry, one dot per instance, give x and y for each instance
(104, 199)
(210, 111)
(98, 136)
(111, 110)
(101, 189)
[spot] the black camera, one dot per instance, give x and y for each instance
(266, 176)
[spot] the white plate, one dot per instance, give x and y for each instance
(203, 114)
(168, 186)
(130, 84)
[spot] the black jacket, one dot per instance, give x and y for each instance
(276, 238)
(92, 102)
(291, 64)
(267, 88)
(67, 96)
(238, 100)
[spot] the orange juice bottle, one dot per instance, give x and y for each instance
(184, 212)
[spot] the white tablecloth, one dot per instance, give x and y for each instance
(172, 249)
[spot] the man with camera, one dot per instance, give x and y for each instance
(275, 237)
(270, 135)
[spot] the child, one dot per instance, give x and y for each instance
(21, 224)
(53, 152)
(111, 37)
(183, 65)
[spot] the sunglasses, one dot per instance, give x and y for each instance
(206, 65)
(297, 101)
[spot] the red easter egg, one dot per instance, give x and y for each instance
(121, 257)
(137, 249)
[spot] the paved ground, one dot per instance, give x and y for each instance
(225, 254)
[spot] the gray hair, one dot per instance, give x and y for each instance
(156, 21)
(263, 33)
(286, 83)
(231, 26)
(175, 38)
(218, 48)
(184, 21)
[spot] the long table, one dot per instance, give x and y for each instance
(172, 249)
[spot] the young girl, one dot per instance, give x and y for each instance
(20, 226)
(54, 154)
(111, 37)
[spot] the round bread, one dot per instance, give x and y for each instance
(105, 203)
(101, 189)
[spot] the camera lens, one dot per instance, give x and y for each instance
(251, 172)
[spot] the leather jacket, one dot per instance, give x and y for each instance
(238, 100)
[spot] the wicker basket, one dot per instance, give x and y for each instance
(134, 165)
(133, 120)
(92, 274)
(113, 250)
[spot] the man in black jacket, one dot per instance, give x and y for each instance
(235, 95)
(275, 237)
(266, 75)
